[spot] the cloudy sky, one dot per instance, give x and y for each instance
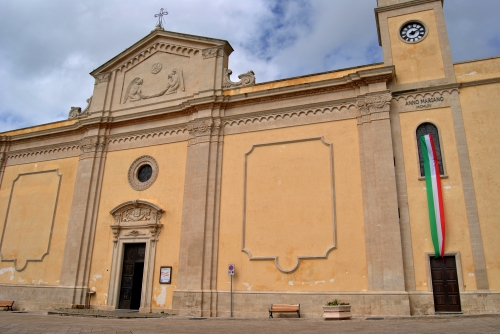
(48, 47)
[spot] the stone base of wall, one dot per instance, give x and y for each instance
(250, 304)
(472, 302)
(187, 303)
(38, 297)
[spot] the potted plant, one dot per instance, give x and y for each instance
(337, 310)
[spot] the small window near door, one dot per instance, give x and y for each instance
(426, 129)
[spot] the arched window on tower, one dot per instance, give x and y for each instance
(426, 129)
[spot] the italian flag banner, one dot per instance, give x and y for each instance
(434, 194)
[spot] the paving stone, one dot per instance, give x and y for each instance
(41, 323)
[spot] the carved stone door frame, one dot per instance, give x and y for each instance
(135, 222)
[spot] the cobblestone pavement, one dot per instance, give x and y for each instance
(37, 322)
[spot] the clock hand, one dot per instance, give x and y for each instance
(412, 33)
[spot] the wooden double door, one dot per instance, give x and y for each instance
(132, 273)
(445, 284)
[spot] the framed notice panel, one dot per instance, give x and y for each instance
(165, 275)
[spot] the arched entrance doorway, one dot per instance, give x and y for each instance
(135, 233)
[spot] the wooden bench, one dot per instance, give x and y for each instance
(284, 308)
(7, 303)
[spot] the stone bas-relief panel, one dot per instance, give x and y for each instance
(172, 84)
(289, 202)
(162, 76)
(27, 231)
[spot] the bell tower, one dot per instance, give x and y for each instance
(413, 37)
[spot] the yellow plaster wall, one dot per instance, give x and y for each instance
(345, 267)
(300, 80)
(39, 128)
(482, 124)
(48, 271)
(166, 192)
(416, 61)
(457, 229)
(478, 70)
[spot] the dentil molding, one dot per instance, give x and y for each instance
(152, 49)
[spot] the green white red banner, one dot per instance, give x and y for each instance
(434, 193)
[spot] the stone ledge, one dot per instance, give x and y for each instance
(94, 313)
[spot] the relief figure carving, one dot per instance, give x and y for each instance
(134, 90)
(175, 82)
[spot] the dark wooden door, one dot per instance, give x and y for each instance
(132, 273)
(445, 284)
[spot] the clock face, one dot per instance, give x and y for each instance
(412, 32)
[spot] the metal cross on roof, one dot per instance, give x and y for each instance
(160, 17)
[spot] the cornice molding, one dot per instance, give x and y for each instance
(188, 107)
(41, 151)
(348, 82)
(157, 133)
(396, 93)
(479, 82)
(154, 48)
(423, 94)
(159, 36)
(275, 116)
(404, 5)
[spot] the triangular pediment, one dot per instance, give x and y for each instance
(166, 41)
(163, 67)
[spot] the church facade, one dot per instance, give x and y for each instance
(312, 188)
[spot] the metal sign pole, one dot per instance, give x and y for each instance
(231, 296)
(230, 272)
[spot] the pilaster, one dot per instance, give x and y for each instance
(476, 238)
(404, 212)
(4, 146)
(196, 293)
(383, 239)
(81, 226)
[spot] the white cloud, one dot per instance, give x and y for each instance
(48, 47)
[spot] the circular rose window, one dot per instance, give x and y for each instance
(143, 172)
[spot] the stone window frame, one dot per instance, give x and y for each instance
(458, 261)
(133, 180)
(421, 176)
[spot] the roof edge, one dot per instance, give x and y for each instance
(166, 33)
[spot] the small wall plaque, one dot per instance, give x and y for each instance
(165, 275)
